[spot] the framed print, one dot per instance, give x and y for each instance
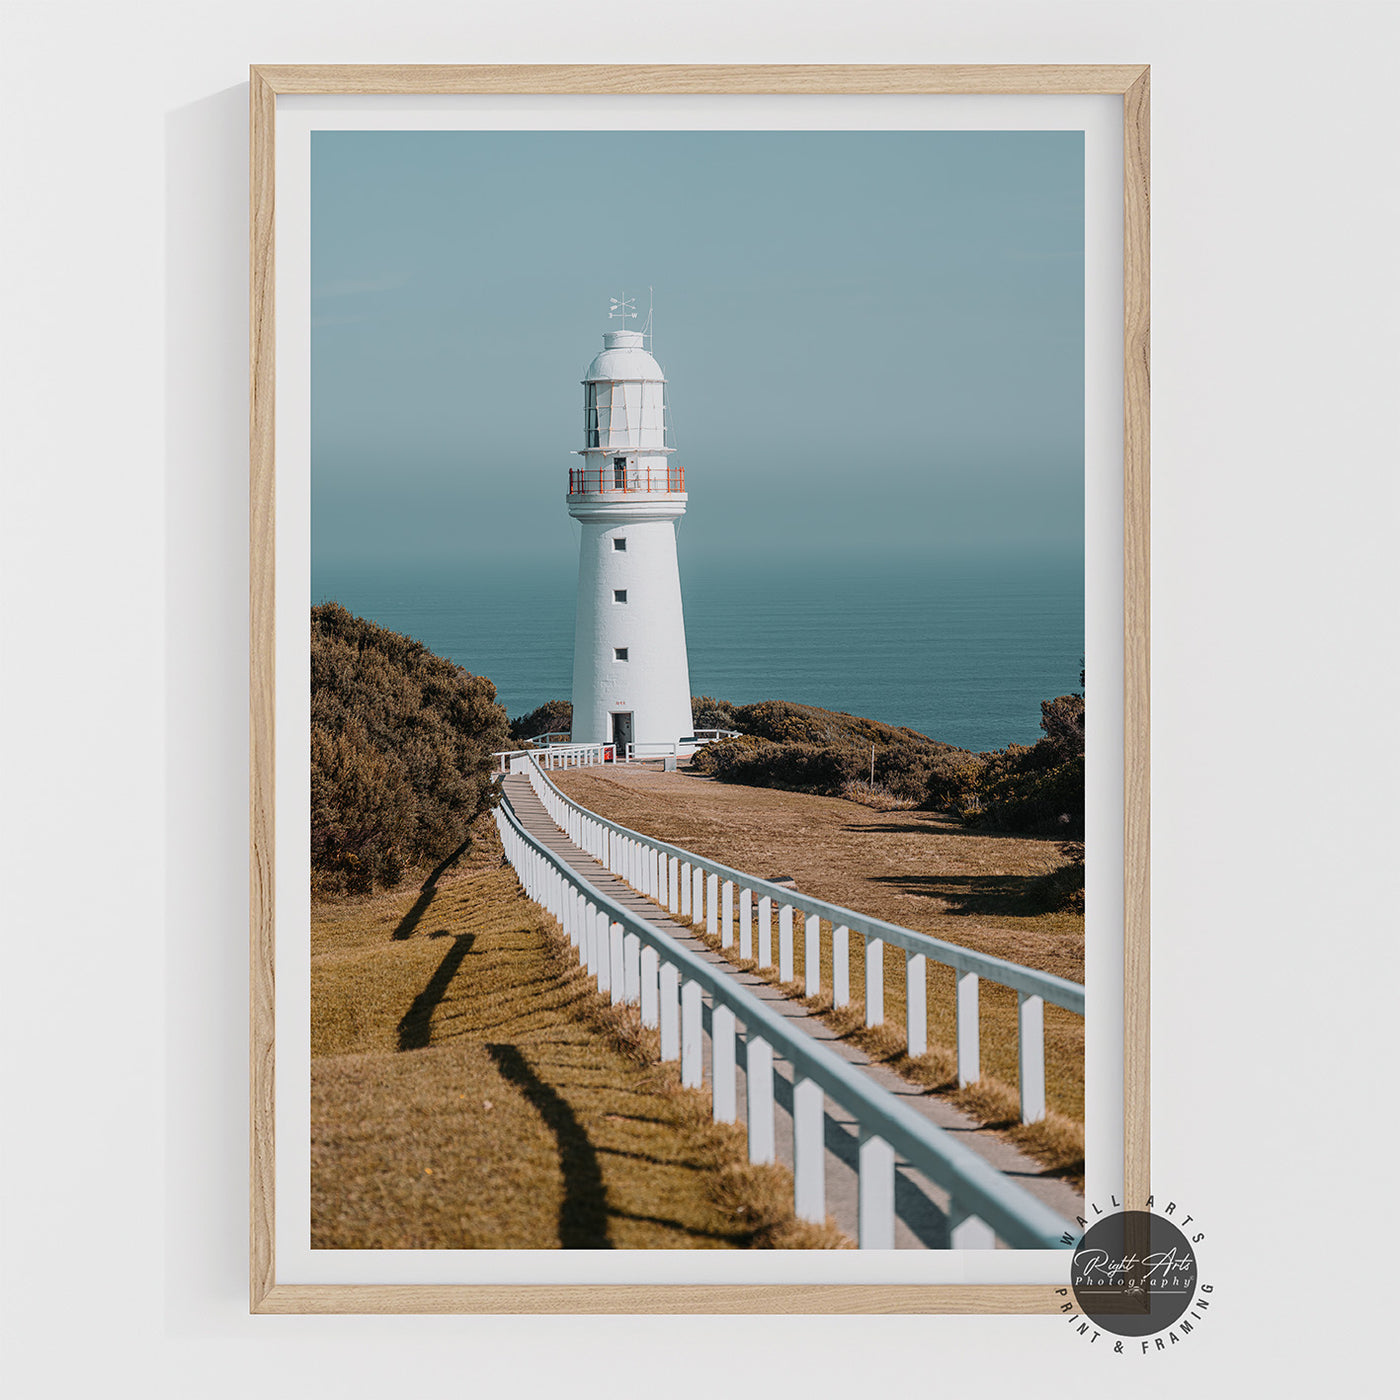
(693, 512)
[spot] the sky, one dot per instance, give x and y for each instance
(873, 341)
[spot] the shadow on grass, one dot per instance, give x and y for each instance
(426, 891)
(583, 1213)
(416, 1027)
(974, 894)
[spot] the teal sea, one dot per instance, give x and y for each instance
(964, 652)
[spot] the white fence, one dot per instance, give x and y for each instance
(559, 756)
(636, 962)
(696, 888)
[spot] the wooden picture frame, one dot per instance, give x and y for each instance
(267, 83)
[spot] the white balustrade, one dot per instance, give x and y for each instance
(651, 992)
(841, 965)
(670, 1011)
(631, 969)
(876, 1193)
(615, 973)
(1031, 1056)
(723, 1071)
(808, 1151)
(691, 1042)
(628, 966)
(874, 981)
(969, 1032)
(916, 1003)
(758, 1083)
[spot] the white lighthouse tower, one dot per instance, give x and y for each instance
(631, 676)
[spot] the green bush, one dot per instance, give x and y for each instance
(553, 717)
(401, 745)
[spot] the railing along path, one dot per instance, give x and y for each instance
(637, 962)
(696, 888)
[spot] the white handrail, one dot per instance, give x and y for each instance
(636, 962)
(676, 877)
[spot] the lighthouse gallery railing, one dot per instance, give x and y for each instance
(696, 888)
(636, 962)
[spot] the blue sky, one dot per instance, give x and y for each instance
(874, 340)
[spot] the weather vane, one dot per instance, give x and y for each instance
(622, 307)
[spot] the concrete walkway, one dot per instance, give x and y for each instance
(920, 1206)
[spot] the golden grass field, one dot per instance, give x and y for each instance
(470, 1089)
(922, 870)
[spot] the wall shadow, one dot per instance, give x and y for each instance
(416, 1028)
(583, 1213)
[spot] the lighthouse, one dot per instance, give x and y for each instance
(631, 675)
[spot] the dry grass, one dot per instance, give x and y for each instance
(470, 1089)
(918, 869)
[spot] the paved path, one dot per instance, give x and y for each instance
(920, 1206)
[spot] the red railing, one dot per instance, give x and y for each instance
(586, 481)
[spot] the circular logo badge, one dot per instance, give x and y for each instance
(1134, 1273)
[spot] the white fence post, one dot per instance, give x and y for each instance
(686, 886)
(697, 895)
(968, 1231)
(603, 934)
(712, 904)
(758, 1077)
(785, 943)
(808, 1151)
(916, 1003)
(631, 969)
(722, 1065)
(969, 1045)
(615, 973)
(874, 981)
(650, 961)
(726, 922)
(1031, 1054)
(673, 886)
(876, 1211)
(746, 924)
(670, 1012)
(663, 883)
(590, 939)
(841, 965)
(691, 1043)
(765, 930)
(812, 955)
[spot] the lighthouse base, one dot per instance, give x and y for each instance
(631, 673)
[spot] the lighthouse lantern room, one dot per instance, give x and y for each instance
(631, 675)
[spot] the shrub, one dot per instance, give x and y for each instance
(401, 745)
(553, 717)
(1063, 889)
(709, 713)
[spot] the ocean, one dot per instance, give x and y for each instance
(963, 652)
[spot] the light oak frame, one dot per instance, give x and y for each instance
(1130, 81)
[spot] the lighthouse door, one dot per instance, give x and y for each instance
(622, 732)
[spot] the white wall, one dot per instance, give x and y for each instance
(124, 574)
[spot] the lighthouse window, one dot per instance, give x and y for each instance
(590, 404)
(619, 472)
(619, 653)
(620, 543)
(619, 595)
